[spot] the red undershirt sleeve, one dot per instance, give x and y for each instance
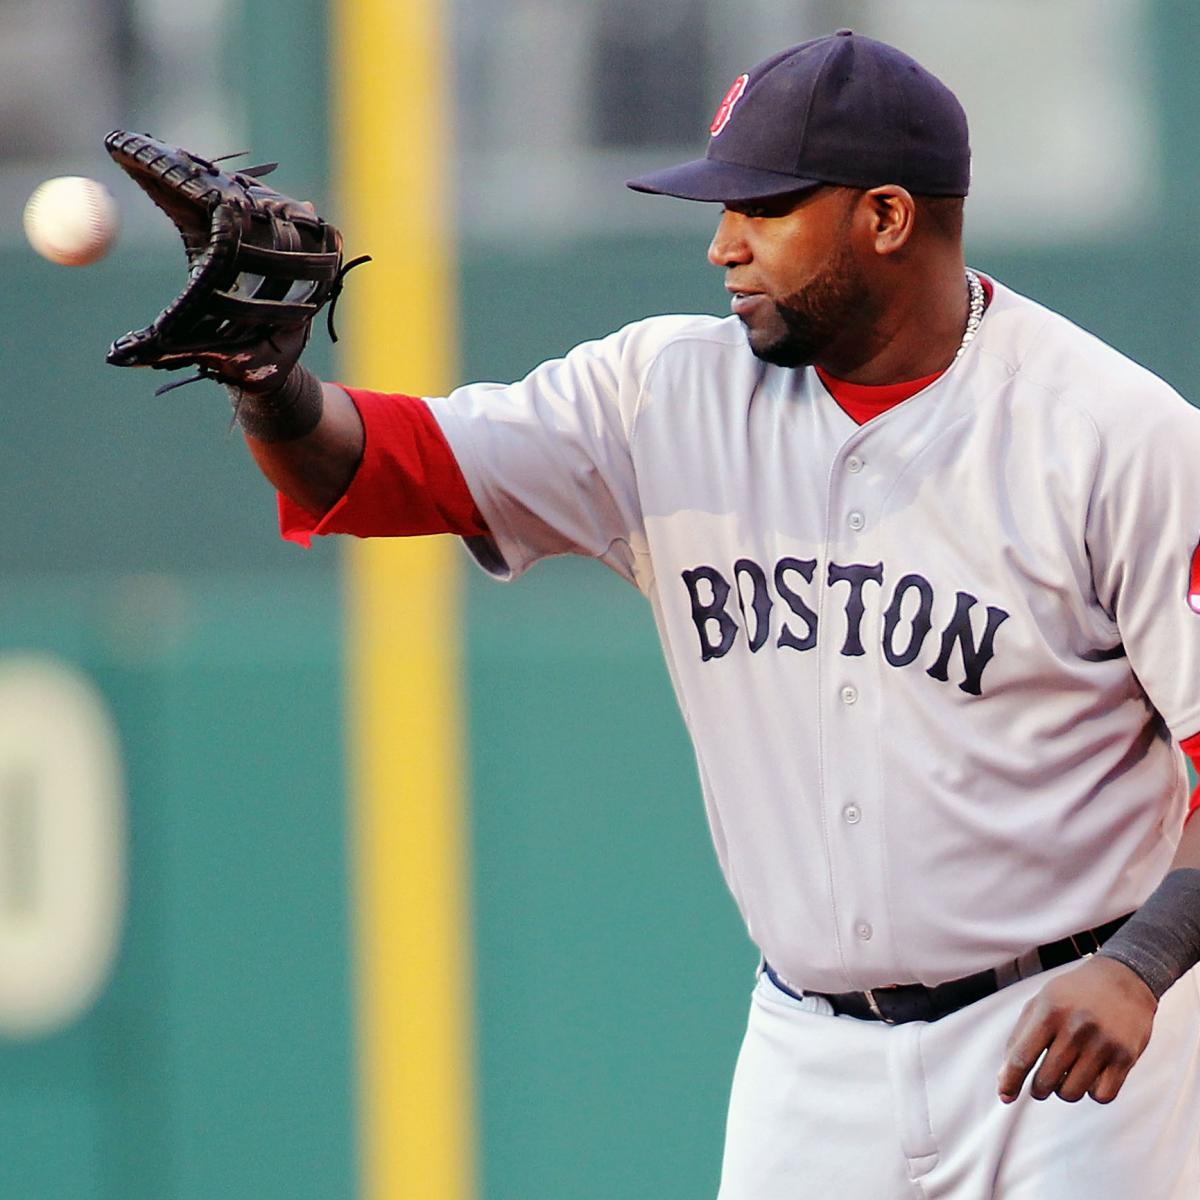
(408, 482)
(1191, 747)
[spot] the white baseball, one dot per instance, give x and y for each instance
(71, 220)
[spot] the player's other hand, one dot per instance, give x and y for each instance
(1092, 1023)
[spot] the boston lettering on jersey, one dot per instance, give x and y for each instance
(752, 593)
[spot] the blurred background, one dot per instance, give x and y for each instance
(177, 876)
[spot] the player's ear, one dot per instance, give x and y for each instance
(892, 212)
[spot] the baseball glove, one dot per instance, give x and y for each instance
(262, 265)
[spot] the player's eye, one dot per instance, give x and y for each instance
(751, 208)
(771, 206)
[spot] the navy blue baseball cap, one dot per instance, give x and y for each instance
(842, 109)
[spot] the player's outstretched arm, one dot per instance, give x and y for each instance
(1084, 1030)
(314, 468)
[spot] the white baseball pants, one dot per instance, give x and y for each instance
(832, 1106)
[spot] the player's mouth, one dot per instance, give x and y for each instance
(743, 302)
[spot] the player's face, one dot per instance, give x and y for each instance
(797, 287)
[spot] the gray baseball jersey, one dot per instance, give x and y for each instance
(934, 667)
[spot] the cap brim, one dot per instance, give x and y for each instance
(714, 181)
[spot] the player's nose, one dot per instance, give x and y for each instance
(728, 246)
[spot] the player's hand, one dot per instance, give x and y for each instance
(1092, 1022)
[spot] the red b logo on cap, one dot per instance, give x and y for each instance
(725, 108)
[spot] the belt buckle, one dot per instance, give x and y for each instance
(874, 1006)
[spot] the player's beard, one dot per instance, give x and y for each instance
(814, 318)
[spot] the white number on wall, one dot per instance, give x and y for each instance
(62, 845)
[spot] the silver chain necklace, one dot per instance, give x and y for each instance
(974, 312)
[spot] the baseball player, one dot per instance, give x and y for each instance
(923, 557)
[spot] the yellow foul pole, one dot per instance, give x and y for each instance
(392, 131)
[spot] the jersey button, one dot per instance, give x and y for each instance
(854, 464)
(849, 694)
(864, 931)
(852, 813)
(856, 521)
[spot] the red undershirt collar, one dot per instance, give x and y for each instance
(861, 401)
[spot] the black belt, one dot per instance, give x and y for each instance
(901, 1002)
